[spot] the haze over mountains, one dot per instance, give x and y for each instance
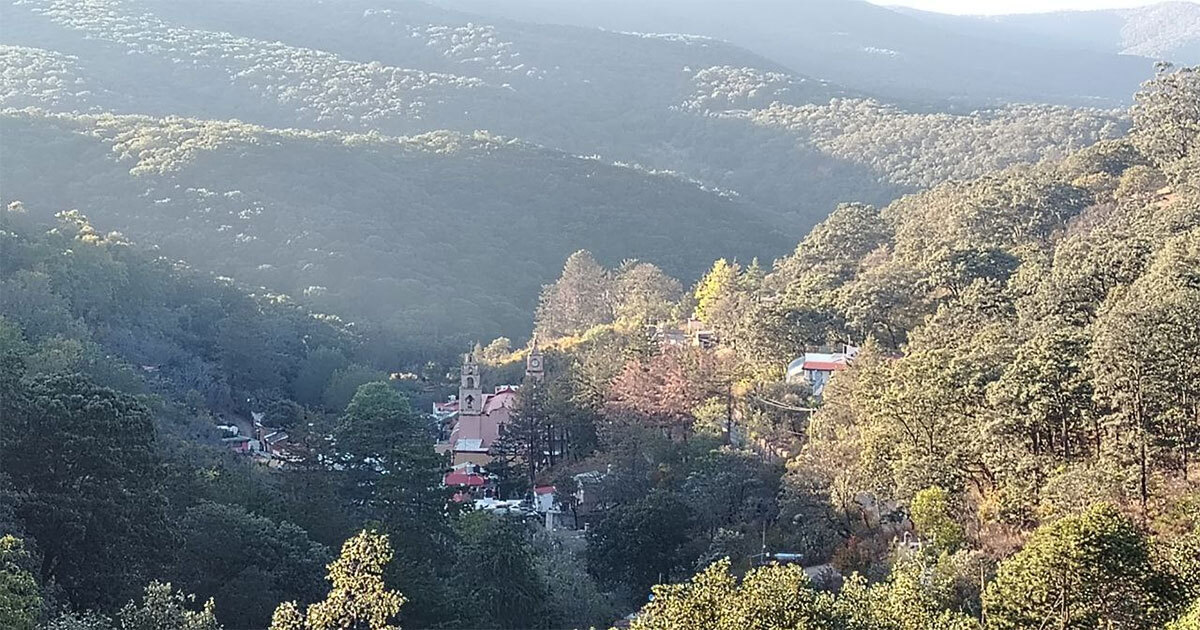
(1167, 30)
(877, 49)
(692, 128)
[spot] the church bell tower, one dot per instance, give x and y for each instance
(470, 390)
(535, 368)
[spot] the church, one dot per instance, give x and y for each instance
(476, 416)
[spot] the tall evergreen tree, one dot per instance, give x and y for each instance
(643, 293)
(1145, 357)
(1166, 115)
(529, 439)
(497, 574)
(392, 475)
(720, 283)
(84, 464)
(580, 299)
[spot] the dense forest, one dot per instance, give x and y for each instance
(1014, 445)
(1023, 409)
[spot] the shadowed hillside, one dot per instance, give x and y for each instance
(437, 234)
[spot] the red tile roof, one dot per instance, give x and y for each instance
(461, 478)
(828, 366)
(504, 397)
(484, 428)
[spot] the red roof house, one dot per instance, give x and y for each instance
(463, 478)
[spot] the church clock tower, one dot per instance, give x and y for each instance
(535, 368)
(470, 390)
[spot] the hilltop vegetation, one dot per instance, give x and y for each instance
(909, 151)
(879, 272)
(1166, 30)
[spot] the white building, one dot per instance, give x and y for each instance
(816, 368)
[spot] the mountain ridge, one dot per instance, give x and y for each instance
(1167, 31)
(868, 47)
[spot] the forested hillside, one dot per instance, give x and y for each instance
(401, 68)
(1014, 445)
(118, 494)
(433, 236)
(685, 134)
(117, 365)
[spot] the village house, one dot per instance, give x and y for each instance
(702, 336)
(468, 480)
(816, 368)
(237, 443)
(574, 510)
(543, 498)
(666, 336)
(275, 443)
(268, 445)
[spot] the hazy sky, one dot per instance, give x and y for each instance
(1014, 6)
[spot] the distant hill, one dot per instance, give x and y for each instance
(864, 46)
(1168, 31)
(435, 235)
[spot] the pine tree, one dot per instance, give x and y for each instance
(390, 473)
(1146, 360)
(580, 299)
(497, 574)
(720, 283)
(1166, 116)
(528, 439)
(358, 597)
(643, 293)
